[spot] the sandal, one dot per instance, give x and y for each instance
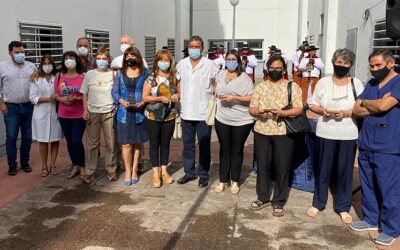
(45, 172)
(277, 211)
(74, 172)
(54, 170)
(88, 179)
(258, 205)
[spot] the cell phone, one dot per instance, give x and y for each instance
(268, 110)
(221, 96)
(332, 111)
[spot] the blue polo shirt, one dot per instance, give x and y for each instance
(381, 132)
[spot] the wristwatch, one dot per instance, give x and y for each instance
(362, 103)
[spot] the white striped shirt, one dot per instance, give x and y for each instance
(14, 81)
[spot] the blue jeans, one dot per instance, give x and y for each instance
(189, 131)
(19, 117)
(73, 130)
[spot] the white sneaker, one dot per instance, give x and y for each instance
(221, 187)
(235, 187)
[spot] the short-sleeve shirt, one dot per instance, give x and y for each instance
(269, 95)
(158, 111)
(98, 86)
(332, 97)
(233, 113)
(69, 86)
(381, 132)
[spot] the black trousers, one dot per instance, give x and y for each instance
(160, 134)
(274, 152)
(334, 157)
(231, 142)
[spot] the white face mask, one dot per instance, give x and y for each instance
(83, 51)
(70, 63)
(47, 68)
(124, 47)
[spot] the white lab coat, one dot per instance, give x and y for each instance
(45, 124)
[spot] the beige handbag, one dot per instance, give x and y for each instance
(178, 129)
(211, 110)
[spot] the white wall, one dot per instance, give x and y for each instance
(349, 16)
(274, 21)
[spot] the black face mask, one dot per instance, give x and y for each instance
(380, 74)
(131, 62)
(341, 71)
(275, 75)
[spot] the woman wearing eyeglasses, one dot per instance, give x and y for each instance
(337, 132)
(273, 146)
(232, 120)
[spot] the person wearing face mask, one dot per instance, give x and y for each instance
(197, 78)
(16, 106)
(70, 109)
(379, 149)
(83, 47)
(233, 122)
(98, 106)
(336, 132)
(46, 128)
(126, 42)
(273, 146)
(127, 94)
(160, 92)
(310, 66)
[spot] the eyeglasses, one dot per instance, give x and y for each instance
(275, 69)
(338, 93)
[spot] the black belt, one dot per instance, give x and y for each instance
(19, 104)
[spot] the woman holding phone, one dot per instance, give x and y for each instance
(337, 132)
(233, 122)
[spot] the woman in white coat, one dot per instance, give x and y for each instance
(46, 128)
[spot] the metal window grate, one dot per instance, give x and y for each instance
(171, 46)
(150, 50)
(40, 40)
(98, 37)
(382, 41)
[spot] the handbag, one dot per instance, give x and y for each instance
(178, 129)
(359, 120)
(294, 125)
(211, 110)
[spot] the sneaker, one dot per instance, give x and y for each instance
(235, 187)
(221, 187)
(112, 176)
(312, 212)
(26, 168)
(362, 226)
(384, 239)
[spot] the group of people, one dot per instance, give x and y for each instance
(131, 105)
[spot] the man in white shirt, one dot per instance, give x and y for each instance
(249, 61)
(15, 105)
(310, 67)
(197, 75)
(126, 42)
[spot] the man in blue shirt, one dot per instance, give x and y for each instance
(379, 149)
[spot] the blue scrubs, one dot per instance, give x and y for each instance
(379, 161)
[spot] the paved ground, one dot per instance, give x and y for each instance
(65, 214)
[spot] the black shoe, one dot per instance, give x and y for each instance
(185, 179)
(12, 171)
(26, 168)
(203, 183)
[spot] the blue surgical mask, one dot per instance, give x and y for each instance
(194, 53)
(231, 65)
(102, 64)
(164, 66)
(19, 57)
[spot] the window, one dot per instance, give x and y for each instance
(351, 43)
(41, 39)
(382, 41)
(98, 37)
(171, 46)
(185, 43)
(311, 40)
(149, 50)
(256, 45)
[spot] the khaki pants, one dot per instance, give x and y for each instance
(93, 129)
